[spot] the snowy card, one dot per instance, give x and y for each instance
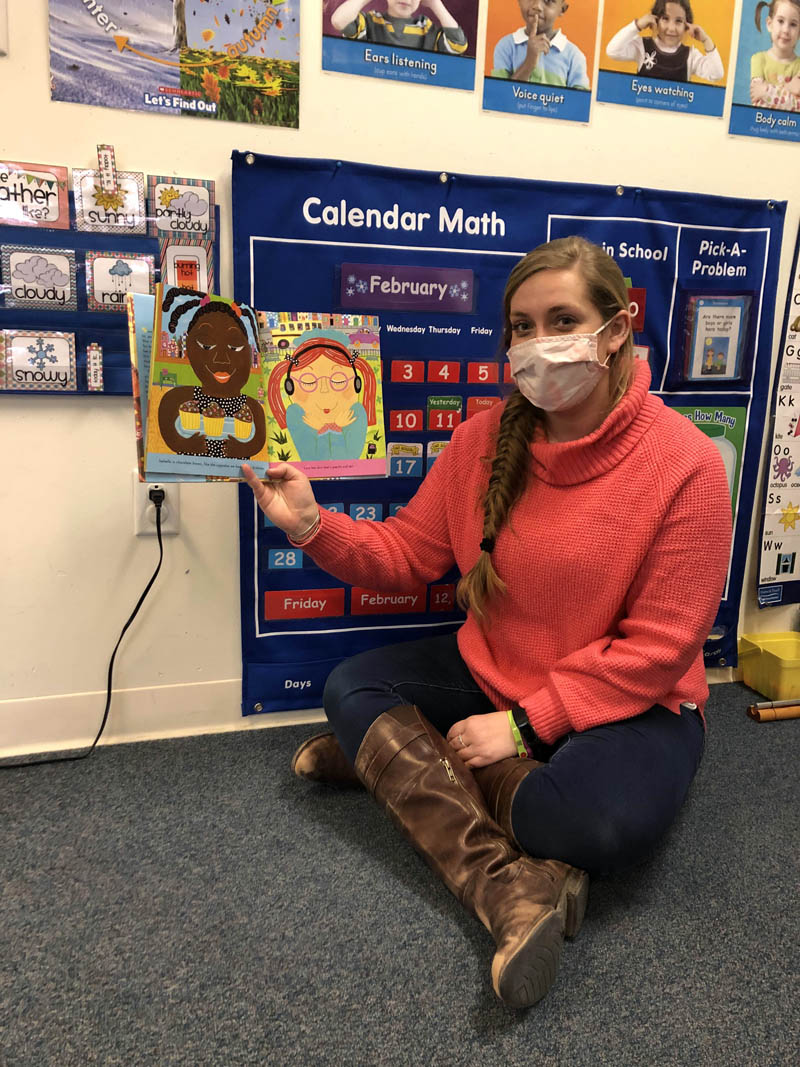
(110, 276)
(38, 360)
(38, 277)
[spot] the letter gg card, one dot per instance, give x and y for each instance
(180, 207)
(34, 194)
(110, 276)
(100, 211)
(39, 277)
(41, 360)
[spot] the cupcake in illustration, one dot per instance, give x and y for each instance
(219, 340)
(243, 423)
(189, 412)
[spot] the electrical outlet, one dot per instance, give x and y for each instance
(144, 510)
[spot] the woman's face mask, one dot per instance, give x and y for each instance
(556, 373)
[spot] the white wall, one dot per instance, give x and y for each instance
(72, 569)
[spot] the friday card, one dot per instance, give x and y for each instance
(38, 360)
(180, 206)
(101, 211)
(39, 277)
(110, 276)
(34, 194)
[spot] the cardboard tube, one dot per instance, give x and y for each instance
(791, 711)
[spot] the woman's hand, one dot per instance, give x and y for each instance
(286, 498)
(482, 739)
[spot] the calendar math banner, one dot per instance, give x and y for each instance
(303, 227)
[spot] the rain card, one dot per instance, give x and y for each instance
(539, 59)
(187, 263)
(205, 410)
(324, 393)
(180, 206)
(100, 210)
(39, 277)
(37, 360)
(34, 194)
(110, 276)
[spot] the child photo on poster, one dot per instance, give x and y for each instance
(427, 41)
(673, 55)
(536, 53)
(766, 89)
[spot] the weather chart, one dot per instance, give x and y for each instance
(419, 260)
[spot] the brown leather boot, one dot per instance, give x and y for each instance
(320, 759)
(435, 802)
(499, 783)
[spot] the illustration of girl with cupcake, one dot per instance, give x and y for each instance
(329, 396)
(218, 339)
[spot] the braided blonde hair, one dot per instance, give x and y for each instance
(510, 465)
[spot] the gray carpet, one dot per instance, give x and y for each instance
(190, 902)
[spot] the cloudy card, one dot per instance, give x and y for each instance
(180, 207)
(39, 277)
(110, 276)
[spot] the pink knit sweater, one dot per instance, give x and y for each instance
(615, 560)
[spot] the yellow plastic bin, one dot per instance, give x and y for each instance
(771, 664)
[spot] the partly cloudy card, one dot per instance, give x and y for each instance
(100, 210)
(180, 207)
(110, 276)
(39, 277)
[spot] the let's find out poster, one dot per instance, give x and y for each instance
(215, 59)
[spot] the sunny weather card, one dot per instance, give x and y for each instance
(324, 394)
(208, 59)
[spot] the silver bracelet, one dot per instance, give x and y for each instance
(307, 534)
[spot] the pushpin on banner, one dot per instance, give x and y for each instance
(107, 168)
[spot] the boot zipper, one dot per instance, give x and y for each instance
(449, 770)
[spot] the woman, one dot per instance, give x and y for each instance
(593, 541)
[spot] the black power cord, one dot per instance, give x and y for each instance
(157, 497)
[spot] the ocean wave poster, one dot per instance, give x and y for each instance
(239, 62)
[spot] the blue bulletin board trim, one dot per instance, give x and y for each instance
(296, 221)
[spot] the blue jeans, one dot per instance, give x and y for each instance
(602, 799)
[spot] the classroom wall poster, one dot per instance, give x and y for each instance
(779, 565)
(768, 106)
(540, 62)
(326, 222)
(201, 58)
(402, 40)
(679, 62)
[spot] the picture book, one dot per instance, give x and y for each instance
(324, 392)
(216, 384)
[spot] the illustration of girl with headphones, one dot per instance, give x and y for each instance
(329, 397)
